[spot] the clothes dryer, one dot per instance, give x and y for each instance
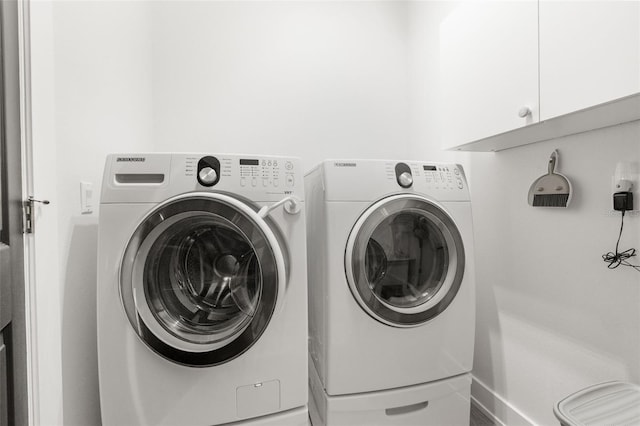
(202, 297)
(391, 292)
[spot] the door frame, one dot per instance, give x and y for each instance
(14, 19)
(26, 165)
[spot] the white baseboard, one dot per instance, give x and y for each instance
(494, 406)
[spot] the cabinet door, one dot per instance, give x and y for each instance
(589, 54)
(489, 69)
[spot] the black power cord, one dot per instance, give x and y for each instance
(620, 258)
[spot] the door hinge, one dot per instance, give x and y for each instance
(27, 206)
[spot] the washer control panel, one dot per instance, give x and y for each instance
(260, 173)
(154, 177)
(266, 173)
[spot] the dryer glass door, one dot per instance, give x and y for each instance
(200, 279)
(405, 260)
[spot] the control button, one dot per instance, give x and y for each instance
(207, 176)
(275, 163)
(269, 163)
(289, 180)
(460, 185)
(243, 181)
(405, 179)
(288, 165)
(456, 171)
(254, 181)
(276, 182)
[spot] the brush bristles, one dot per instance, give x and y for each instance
(550, 200)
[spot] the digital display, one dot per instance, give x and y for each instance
(245, 162)
(429, 168)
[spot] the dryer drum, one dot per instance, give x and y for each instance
(412, 268)
(404, 260)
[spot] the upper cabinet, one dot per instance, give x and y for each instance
(518, 72)
(589, 54)
(489, 69)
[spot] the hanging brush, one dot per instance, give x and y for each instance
(552, 189)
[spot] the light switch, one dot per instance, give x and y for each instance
(86, 197)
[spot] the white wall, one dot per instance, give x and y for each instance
(311, 79)
(551, 318)
(102, 104)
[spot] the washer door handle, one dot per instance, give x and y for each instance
(290, 204)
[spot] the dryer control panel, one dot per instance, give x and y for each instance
(442, 181)
(427, 176)
(443, 176)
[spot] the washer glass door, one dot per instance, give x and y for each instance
(200, 279)
(404, 260)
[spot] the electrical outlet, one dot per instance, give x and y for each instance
(625, 178)
(86, 197)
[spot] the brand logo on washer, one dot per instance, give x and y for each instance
(345, 164)
(131, 159)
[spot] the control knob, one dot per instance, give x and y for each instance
(405, 179)
(207, 176)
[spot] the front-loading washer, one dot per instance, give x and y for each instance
(202, 297)
(391, 293)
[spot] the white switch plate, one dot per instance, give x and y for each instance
(86, 197)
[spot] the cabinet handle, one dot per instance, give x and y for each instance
(524, 111)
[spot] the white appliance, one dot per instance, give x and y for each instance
(202, 296)
(391, 293)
